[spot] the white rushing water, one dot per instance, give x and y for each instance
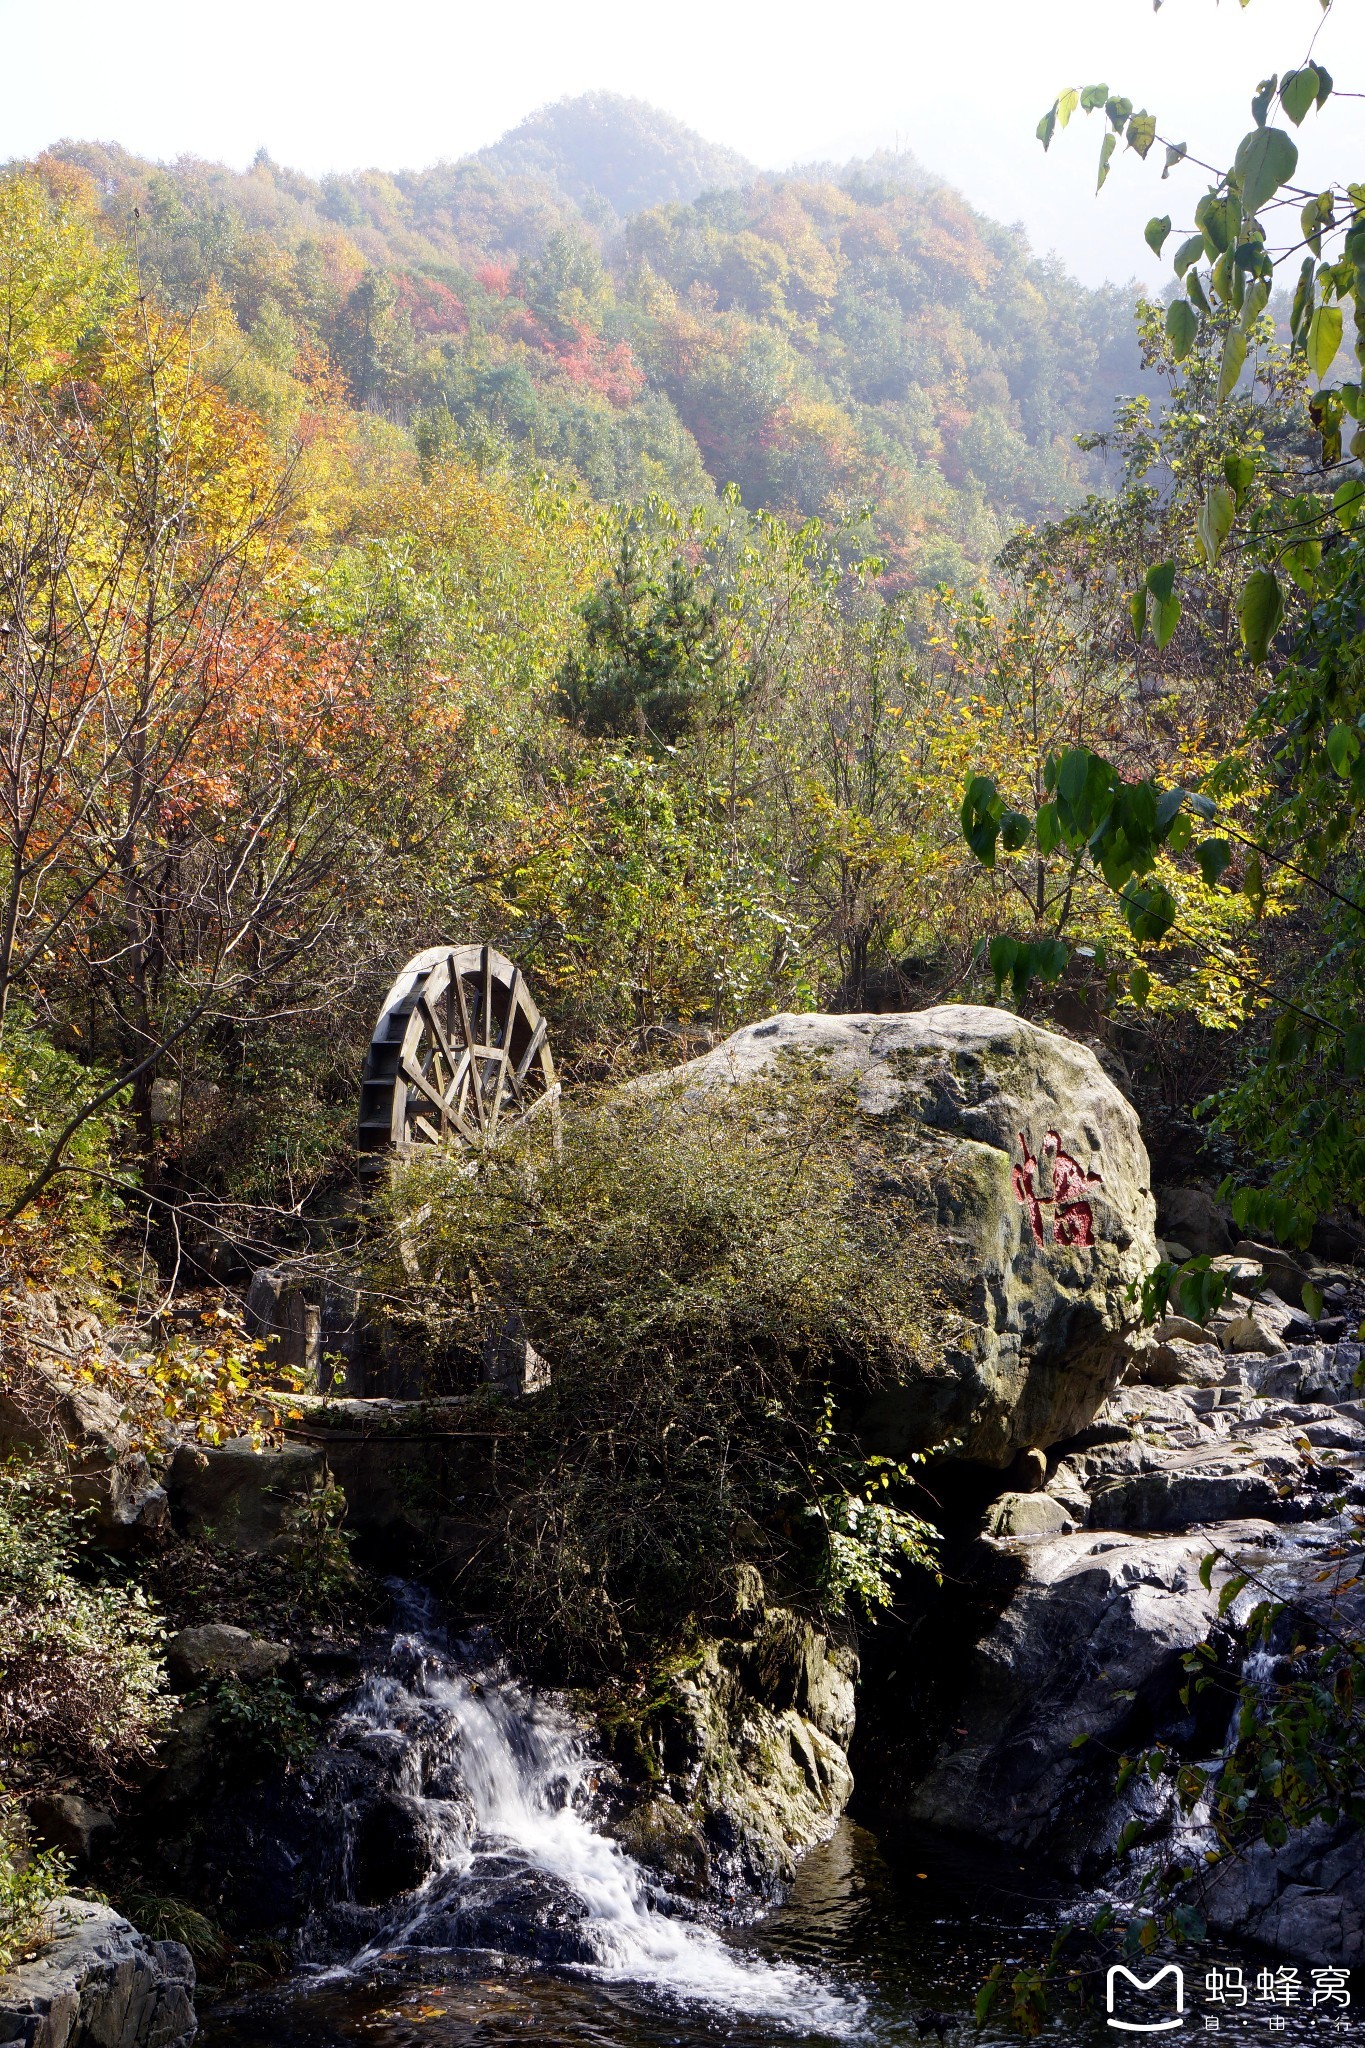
(528, 1777)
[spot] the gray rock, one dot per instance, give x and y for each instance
(65, 1821)
(752, 1747)
(217, 1650)
(1097, 1623)
(1186, 1492)
(1252, 1331)
(1306, 1899)
(1282, 1270)
(1039, 1193)
(1176, 1362)
(98, 1983)
(1193, 1217)
(1028, 1514)
(238, 1496)
(81, 1428)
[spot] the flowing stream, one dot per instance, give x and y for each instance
(535, 1926)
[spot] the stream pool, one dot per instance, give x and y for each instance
(878, 1943)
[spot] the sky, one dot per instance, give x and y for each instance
(959, 83)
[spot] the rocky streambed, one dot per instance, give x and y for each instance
(593, 1869)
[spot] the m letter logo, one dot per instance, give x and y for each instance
(1173, 1971)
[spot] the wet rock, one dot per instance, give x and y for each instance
(394, 1849)
(504, 1906)
(1306, 1899)
(217, 1650)
(98, 1983)
(1034, 1174)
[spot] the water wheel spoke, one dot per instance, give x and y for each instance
(415, 1078)
(538, 1037)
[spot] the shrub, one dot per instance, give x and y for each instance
(719, 1284)
(30, 1881)
(81, 1679)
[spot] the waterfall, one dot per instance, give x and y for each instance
(505, 1790)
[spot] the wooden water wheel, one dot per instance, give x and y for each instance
(460, 1050)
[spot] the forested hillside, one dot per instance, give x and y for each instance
(619, 299)
(667, 599)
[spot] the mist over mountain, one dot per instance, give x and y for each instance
(601, 146)
(610, 294)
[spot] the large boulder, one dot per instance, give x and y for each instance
(98, 1981)
(1040, 1189)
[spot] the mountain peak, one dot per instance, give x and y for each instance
(603, 146)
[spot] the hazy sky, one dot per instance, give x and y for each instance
(961, 83)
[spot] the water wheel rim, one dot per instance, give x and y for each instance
(459, 1052)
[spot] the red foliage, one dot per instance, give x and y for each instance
(590, 361)
(496, 278)
(431, 306)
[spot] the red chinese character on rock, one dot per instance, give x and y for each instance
(1025, 1181)
(1073, 1219)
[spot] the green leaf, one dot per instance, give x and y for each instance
(1189, 252)
(1015, 831)
(1093, 96)
(1161, 581)
(1195, 293)
(1003, 956)
(987, 1995)
(1148, 910)
(1156, 231)
(1213, 856)
(1142, 134)
(1165, 621)
(1182, 327)
(1240, 472)
(1260, 613)
(1047, 127)
(1229, 1592)
(1265, 158)
(1079, 1741)
(1176, 153)
(1129, 1836)
(1348, 500)
(1324, 339)
(1230, 368)
(1312, 1301)
(1214, 523)
(1343, 748)
(1137, 610)
(1048, 828)
(1140, 986)
(981, 814)
(1206, 1565)
(1067, 104)
(1107, 148)
(1299, 92)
